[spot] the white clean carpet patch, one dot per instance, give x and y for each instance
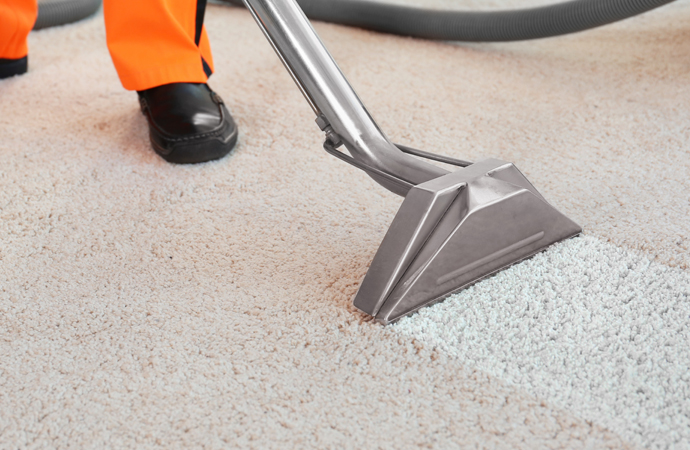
(585, 325)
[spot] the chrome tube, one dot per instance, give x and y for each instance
(338, 108)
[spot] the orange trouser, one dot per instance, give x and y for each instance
(17, 18)
(151, 42)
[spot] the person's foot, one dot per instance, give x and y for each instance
(12, 67)
(188, 122)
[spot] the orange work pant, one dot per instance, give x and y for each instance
(17, 18)
(151, 42)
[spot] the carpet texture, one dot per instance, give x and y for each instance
(148, 305)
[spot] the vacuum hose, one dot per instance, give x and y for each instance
(494, 26)
(469, 26)
(59, 12)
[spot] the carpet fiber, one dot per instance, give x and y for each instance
(149, 305)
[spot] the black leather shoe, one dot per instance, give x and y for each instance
(188, 122)
(12, 67)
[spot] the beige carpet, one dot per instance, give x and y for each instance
(147, 305)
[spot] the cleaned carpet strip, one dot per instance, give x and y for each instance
(586, 325)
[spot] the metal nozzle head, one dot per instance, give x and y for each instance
(455, 230)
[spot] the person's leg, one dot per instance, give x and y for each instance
(160, 49)
(17, 18)
(157, 42)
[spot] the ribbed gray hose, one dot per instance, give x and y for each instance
(494, 26)
(510, 25)
(59, 12)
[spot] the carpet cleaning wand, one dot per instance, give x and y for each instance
(453, 228)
